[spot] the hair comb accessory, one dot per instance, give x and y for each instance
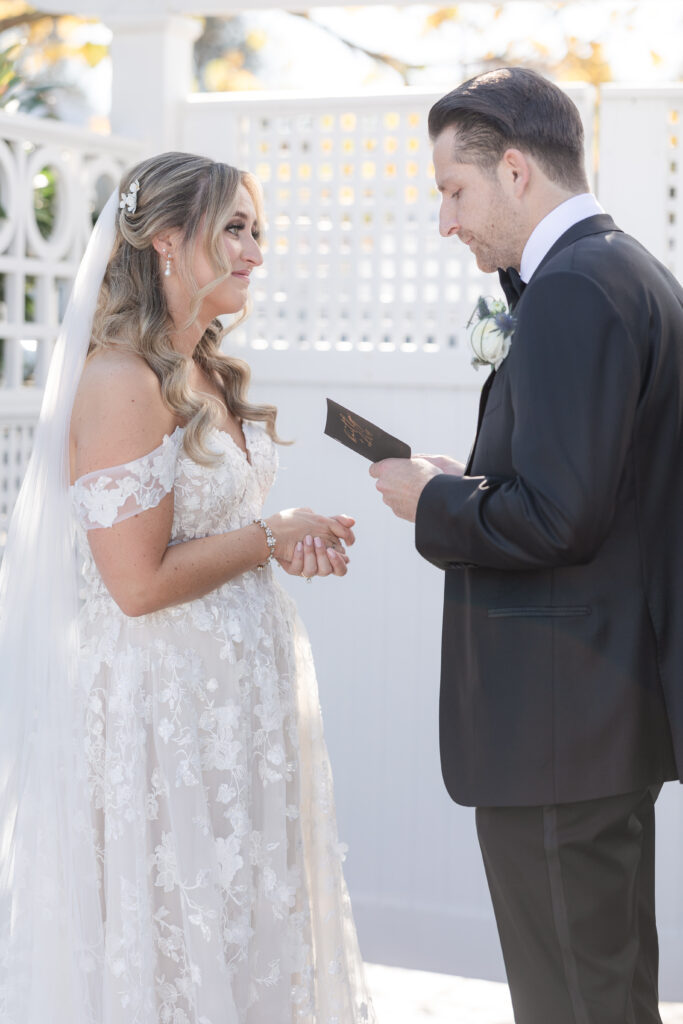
(129, 199)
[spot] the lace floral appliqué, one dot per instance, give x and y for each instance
(108, 496)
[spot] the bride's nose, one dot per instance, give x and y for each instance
(251, 252)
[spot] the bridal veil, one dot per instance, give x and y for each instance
(50, 914)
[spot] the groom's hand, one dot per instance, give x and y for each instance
(445, 463)
(401, 482)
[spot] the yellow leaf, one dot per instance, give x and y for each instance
(256, 39)
(656, 58)
(583, 63)
(93, 53)
(437, 18)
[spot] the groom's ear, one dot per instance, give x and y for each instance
(515, 172)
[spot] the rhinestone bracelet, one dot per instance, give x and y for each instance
(270, 540)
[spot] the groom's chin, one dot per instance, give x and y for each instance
(485, 263)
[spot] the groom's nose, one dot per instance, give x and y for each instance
(448, 222)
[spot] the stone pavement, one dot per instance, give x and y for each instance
(418, 997)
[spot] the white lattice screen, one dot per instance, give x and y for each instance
(354, 250)
(354, 259)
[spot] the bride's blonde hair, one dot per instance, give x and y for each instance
(197, 196)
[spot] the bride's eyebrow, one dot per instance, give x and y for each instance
(240, 214)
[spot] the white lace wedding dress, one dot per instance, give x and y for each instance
(221, 881)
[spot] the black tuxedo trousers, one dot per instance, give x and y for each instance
(572, 887)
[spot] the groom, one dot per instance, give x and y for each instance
(562, 544)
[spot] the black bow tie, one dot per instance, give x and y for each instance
(512, 285)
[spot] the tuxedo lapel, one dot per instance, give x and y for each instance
(513, 286)
(488, 384)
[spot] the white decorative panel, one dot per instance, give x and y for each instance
(43, 230)
(45, 221)
(16, 439)
(354, 258)
(640, 173)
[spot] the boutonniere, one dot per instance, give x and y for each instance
(492, 327)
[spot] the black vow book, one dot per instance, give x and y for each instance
(362, 436)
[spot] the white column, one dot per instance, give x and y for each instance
(152, 77)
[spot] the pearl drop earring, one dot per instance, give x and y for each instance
(167, 268)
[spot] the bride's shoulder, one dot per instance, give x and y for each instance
(118, 413)
(123, 374)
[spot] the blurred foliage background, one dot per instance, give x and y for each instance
(58, 66)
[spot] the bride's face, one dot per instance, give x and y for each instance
(240, 239)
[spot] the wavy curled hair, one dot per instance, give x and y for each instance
(196, 196)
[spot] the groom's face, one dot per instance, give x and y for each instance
(475, 207)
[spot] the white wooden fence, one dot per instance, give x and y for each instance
(361, 300)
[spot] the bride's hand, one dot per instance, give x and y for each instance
(294, 524)
(312, 558)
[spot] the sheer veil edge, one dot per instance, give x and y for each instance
(50, 911)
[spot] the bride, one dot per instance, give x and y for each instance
(168, 845)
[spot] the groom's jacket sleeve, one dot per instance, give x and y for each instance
(572, 383)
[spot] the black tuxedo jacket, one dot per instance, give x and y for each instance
(562, 660)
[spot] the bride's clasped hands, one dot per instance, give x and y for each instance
(320, 551)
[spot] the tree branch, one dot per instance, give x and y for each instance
(29, 18)
(402, 67)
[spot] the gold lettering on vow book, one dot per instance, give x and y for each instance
(354, 431)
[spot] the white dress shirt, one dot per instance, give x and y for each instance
(553, 226)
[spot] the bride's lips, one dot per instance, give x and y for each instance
(244, 274)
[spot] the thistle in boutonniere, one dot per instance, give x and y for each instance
(492, 327)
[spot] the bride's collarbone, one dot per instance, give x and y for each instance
(233, 427)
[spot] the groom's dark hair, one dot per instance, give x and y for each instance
(514, 107)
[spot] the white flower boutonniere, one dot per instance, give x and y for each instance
(492, 327)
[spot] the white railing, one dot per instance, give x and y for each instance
(71, 173)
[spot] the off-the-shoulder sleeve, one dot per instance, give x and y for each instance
(108, 496)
